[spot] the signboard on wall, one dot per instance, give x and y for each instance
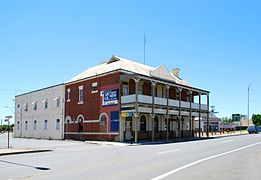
(110, 97)
(126, 114)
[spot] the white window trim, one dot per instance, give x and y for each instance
(68, 95)
(56, 101)
(58, 127)
(80, 88)
(107, 128)
(46, 124)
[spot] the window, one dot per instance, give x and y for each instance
(45, 124)
(35, 122)
(143, 123)
(26, 107)
(34, 105)
(58, 102)
(81, 94)
(26, 125)
(140, 88)
(103, 120)
(125, 89)
(68, 95)
(17, 127)
(45, 104)
(94, 87)
(57, 123)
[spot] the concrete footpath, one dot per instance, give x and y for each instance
(12, 151)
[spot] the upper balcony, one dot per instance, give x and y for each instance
(129, 99)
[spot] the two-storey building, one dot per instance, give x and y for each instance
(120, 99)
(40, 113)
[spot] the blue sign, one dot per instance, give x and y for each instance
(110, 97)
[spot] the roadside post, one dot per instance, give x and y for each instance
(8, 136)
(1, 125)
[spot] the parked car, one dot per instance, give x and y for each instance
(253, 129)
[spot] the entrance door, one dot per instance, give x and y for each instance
(128, 128)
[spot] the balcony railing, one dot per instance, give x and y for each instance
(160, 101)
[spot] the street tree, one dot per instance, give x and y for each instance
(256, 118)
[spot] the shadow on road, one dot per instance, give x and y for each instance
(25, 165)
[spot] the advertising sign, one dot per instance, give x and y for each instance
(110, 97)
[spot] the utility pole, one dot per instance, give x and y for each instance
(248, 89)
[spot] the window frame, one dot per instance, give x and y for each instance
(80, 95)
(68, 95)
(45, 124)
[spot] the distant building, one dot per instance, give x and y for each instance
(120, 99)
(40, 114)
(214, 124)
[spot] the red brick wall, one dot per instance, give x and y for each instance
(90, 108)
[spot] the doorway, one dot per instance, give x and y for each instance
(128, 128)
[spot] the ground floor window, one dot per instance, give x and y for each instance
(26, 125)
(57, 123)
(35, 122)
(45, 124)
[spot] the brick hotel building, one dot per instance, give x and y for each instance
(121, 98)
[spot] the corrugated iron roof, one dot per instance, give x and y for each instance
(119, 63)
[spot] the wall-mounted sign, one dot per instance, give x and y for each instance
(126, 114)
(110, 97)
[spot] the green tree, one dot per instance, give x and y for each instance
(256, 118)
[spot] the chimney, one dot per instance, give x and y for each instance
(175, 72)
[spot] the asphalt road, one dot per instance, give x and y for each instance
(236, 157)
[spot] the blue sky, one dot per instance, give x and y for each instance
(215, 43)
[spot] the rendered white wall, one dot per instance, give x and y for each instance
(51, 114)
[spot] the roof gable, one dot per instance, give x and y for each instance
(162, 73)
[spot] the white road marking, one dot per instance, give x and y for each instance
(202, 160)
(164, 152)
(228, 140)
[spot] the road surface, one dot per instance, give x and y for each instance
(233, 158)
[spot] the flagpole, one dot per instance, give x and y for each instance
(144, 41)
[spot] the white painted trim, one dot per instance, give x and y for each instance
(105, 133)
(107, 117)
(92, 121)
(80, 115)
